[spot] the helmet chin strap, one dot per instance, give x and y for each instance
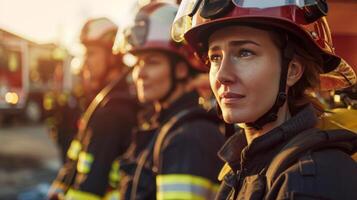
(272, 114)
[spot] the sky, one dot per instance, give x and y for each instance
(59, 21)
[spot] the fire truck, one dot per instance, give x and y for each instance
(27, 71)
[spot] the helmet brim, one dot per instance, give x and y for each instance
(198, 37)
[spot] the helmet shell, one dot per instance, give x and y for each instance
(99, 31)
(151, 31)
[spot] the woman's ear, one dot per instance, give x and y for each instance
(181, 70)
(295, 71)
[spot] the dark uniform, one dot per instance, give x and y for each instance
(317, 165)
(188, 162)
(63, 111)
(107, 136)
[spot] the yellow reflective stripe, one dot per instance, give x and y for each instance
(74, 150)
(178, 196)
(186, 186)
(80, 195)
(114, 175)
(112, 195)
(224, 171)
(84, 162)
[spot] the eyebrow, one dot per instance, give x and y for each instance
(242, 42)
(235, 43)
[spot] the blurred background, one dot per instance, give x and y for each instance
(40, 55)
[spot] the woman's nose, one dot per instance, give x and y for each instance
(225, 74)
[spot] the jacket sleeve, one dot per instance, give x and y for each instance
(111, 131)
(326, 174)
(189, 162)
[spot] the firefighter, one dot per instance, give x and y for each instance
(174, 156)
(104, 131)
(262, 57)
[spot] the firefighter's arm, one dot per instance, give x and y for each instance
(76, 194)
(61, 183)
(184, 173)
(110, 137)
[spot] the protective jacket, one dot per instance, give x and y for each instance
(62, 114)
(292, 161)
(92, 154)
(180, 159)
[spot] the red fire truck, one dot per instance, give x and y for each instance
(27, 71)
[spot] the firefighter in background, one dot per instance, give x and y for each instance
(104, 131)
(175, 156)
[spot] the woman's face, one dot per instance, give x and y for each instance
(244, 72)
(152, 76)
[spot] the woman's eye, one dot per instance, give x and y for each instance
(214, 58)
(245, 53)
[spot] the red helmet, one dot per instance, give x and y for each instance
(151, 31)
(99, 31)
(197, 19)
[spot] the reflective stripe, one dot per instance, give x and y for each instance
(84, 162)
(74, 150)
(224, 171)
(183, 186)
(80, 195)
(112, 195)
(114, 175)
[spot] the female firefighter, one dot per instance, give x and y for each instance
(263, 56)
(179, 159)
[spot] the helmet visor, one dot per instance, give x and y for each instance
(183, 20)
(273, 3)
(131, 37)
(209, 9)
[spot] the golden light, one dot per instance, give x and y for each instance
(76, 65)
(11, 98)
(130, 60)
(337, 98)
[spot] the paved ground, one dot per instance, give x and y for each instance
(28, 161)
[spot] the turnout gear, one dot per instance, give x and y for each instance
(304, 20)
(63, 111)
(290, 162)
(170, 164)
(104, 134)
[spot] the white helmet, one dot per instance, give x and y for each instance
(99, 31)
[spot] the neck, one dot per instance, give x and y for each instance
(251, 133)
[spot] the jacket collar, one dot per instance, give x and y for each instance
(186, 101)
(236, 150)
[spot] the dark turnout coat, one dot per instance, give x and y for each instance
(292, 161)
(188, 162)
(92, 153)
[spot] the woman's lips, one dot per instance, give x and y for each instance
(230, 97)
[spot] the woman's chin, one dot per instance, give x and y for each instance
(233, 118)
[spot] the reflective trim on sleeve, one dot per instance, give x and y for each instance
(84, 162)
(73, 194)
(184, 186)
(74, 150)
(112, 195)
(114, 174)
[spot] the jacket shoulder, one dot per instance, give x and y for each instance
(329, 173)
